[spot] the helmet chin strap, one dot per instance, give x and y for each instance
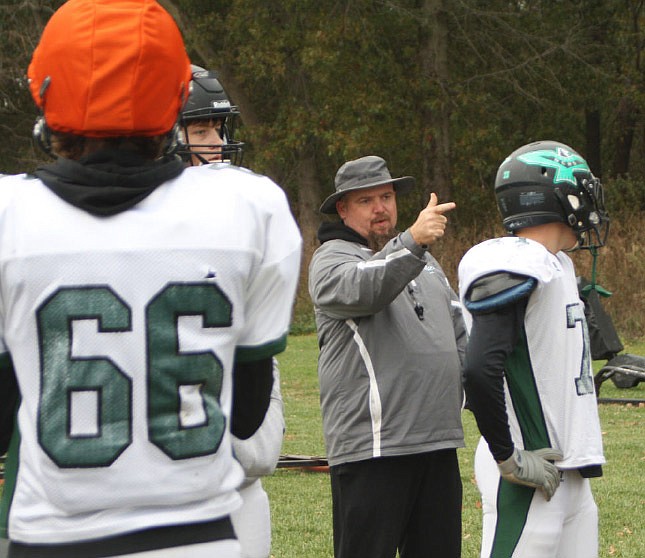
(202, 160)
(593, 286)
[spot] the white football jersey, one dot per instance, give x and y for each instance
(123, 332)
(549, 386)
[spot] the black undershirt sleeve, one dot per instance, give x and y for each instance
(8, 402)
(493, 337)
(252, 384)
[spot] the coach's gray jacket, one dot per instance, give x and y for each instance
(390, 383)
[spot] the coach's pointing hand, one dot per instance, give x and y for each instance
(431, 222)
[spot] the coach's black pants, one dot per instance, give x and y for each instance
(411, 503)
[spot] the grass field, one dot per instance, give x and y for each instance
(301, 500)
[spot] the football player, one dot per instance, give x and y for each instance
(528, 374)
(208, 122)
(132, 288)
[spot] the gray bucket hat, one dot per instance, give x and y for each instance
(365, 172)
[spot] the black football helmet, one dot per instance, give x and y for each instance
(547, 181)
(208, 101)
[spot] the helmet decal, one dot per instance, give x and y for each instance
(564, 162)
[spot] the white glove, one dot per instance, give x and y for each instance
(531, 468)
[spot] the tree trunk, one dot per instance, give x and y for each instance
(435, 144)
(625, 126)
(307, 212)
(592, 132)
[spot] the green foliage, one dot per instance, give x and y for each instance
(338, 80)
(625, 196)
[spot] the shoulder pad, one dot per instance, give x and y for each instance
(22, 176)
(230, 166)
(494, 291)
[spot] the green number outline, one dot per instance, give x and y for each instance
(166, 362)
(167, 369)
(584, 382)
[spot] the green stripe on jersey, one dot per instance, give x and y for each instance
(525, 396)
(514, 501)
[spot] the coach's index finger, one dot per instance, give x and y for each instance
(440, 207)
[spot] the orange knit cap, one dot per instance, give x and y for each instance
(115, 68)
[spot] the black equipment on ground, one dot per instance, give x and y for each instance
(625, 370)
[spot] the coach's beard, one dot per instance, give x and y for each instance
(377, 242)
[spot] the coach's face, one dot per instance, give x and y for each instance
(372, 210)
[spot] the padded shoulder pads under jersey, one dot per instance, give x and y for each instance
(494, 291)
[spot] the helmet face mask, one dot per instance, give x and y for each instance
(546, 182)
(208, 103)
(586, 213)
